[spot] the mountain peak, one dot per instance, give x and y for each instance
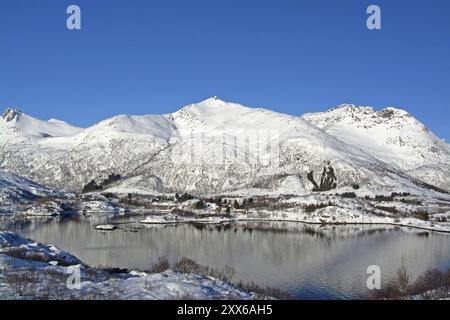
(364, 117)
(391, 111)
(214, 101)
(10, 114)
(20, 123)
(350, 106)
(386, 112)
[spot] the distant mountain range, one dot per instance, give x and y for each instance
(221, 147)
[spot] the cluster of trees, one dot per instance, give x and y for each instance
(93, 186)
(183, 197)
(228, 204)
(244, 204)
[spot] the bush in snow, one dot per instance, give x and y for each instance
(186, 265)
(433, 284)
(160, 266)
(91, 187)
(315, 206)
(422, 215)
(348, 195)
(184, 197)
(199, 205)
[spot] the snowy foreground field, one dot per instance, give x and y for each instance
(29, 270)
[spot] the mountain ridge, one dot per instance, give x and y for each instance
(14, 122)
(208, 147)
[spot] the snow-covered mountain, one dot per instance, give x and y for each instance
(14, 122)
(391, 135)
(209, 147)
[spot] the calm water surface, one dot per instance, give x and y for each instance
(309, 262)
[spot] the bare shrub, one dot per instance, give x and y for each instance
(309, 208)
(186, 265)
(160, 266)
(403, 278)
(183, 213)
(199, 205)
(422, 215)
(433, 284)
(383, 198)
(22, 283)
(264, 291)
(411, 201)
(25, 254)
(387, 209)
(349, 195)
(112, 270)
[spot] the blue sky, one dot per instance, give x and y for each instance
(292, 56)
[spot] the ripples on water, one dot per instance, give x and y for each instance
(307, 261)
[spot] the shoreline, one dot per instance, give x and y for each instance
(226, 220)
(348, 223)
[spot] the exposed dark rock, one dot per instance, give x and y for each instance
(311, 179)
(328, 181)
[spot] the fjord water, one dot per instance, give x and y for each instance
(307, 261)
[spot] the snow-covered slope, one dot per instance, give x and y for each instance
(14, 122)
(15, 189)
(209, 147)
(391, 135)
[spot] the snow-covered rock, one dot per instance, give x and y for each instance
(46, 209)
(99, 206)
(165, 219)
(21, 248)
(106, 227)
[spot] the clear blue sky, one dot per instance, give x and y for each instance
(293, 56)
